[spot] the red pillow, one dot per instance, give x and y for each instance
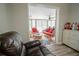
(34, 30)
(50, 31)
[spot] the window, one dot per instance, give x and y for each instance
(33, 23)
(39, 17)
(39, 25)
(44, 24)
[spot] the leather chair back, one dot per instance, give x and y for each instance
(10, 44)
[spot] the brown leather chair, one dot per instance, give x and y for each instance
(11, 45)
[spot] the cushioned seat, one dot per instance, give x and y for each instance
(49, 31)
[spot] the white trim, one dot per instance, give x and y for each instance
(57, 27)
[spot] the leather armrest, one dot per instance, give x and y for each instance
(32, 44)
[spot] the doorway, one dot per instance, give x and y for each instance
(42, 24)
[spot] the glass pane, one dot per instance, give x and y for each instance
(33, 23)
(39, 25)
(53, 13)
(44, 24)
(38, 12)
(53, 24)
(49, 23)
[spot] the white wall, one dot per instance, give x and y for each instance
(18, 18)
(4, 24)
(74, 12)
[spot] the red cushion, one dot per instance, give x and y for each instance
(49, 31)
(34, 30)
